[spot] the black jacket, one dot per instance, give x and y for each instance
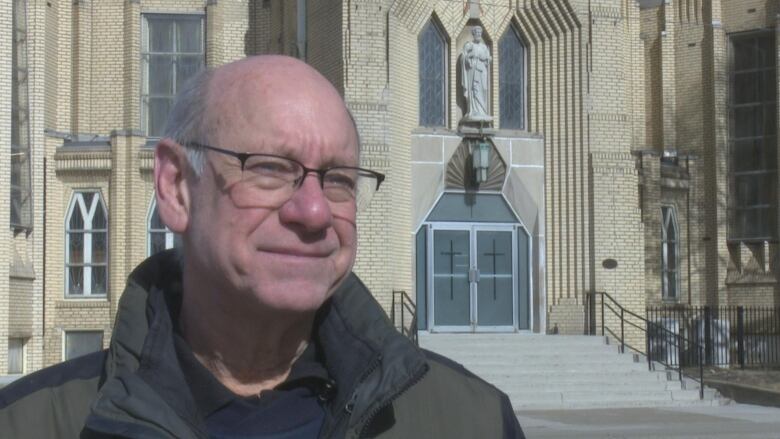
(385, 386)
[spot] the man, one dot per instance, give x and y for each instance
(260, 329)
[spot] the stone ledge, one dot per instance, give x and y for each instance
(745, 394)
(82, 303)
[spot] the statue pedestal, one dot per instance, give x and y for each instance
(476, 129)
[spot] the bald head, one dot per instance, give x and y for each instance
(257, 92)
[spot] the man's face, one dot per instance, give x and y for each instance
(477, 32)
(288, 257)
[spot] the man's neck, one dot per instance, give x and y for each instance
(249, 351)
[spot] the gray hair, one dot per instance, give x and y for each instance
(187, 119)
(187, 122)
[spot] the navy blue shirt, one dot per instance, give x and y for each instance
(292, 410)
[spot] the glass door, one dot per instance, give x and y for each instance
(472, 279)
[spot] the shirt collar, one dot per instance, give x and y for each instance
(211, 395)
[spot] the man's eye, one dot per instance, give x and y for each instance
(269, 167)
(340, 180)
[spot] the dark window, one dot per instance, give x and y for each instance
(670, 253)
(78, 343)
(433, 80)
(21, 200)
(512, 80)
(753, 138)
(171, 53)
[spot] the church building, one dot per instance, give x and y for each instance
(535, 151)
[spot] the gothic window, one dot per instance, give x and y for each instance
(21, 200)
(78, 343)
(86, 244)
(511, 80)
(432, 51)
(172, 51)
(670, 252)
(160, 237)
(753, 138)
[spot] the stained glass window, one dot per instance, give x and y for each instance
(511, 80)
(670, 260)
(86, 243)
(432, 51)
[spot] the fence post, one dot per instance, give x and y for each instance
(602, 315)
(403, 314)
(622, 333)
(647, 343)
(741, 336)
(707, 335)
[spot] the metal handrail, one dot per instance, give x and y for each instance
(406, 305)
(618, 310)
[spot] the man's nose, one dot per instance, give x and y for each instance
(308, 207)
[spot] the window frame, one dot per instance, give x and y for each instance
(65, 333)
(21, 201)
(23, 362)
(665, 242)
(146, 53)
(439, 29)
(77, 201)
(170, 237)
(512, 27)
(735, 232)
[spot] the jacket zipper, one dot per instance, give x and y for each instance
(409, 384)
(351, 402)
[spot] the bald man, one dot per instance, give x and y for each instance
(257, 327)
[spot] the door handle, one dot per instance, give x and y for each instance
(473, 275)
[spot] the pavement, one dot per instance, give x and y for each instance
(734, 420)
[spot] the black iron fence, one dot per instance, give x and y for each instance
(606, 316)
(403, 313)
(731, 335)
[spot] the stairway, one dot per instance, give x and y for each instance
(566, 372)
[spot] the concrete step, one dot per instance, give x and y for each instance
(561, 372)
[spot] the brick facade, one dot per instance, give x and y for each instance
(612, 88)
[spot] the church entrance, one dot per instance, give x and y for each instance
(473, 286)
(473, 267)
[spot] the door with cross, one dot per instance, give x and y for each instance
(473, 277)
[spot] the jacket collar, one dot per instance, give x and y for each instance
(144, 390)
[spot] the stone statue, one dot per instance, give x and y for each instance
(476, 77)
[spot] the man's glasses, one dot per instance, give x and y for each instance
(269, 180)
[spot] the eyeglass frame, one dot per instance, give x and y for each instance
(244, 156)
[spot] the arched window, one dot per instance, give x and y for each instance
(432, 51)
(160, 237)
(86, 243)
(512, 80)
(670, 252)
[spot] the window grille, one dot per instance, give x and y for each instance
(21, 182)
(512, 80)
(86, 243)
(432, 50)
(172, 51)
(753, 138)
(160, 236)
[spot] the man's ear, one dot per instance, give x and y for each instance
(170, 182)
